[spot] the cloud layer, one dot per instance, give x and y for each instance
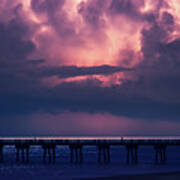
(120, 57)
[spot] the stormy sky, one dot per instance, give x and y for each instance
(89, 67)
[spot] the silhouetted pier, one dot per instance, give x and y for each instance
(103, 147)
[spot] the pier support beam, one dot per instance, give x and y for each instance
(132, 154)
(76, 153)
(49, 152)
(1, 153)
(22, 153)
(160, 154)
(104, 153)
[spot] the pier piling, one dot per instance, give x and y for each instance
(160, 154)
(103, 153)
(49, 152)
(22, 152)
(132, 154)
(76, 155)
(1, 153)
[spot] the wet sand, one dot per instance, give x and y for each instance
(164, 176)
(57, 172)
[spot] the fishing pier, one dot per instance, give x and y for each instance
(76, 145)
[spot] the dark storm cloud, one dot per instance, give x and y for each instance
(159, 74)
(57, 17)
(155, 42)
(88, 97)
(126, 7)
(11, 44)
(125, 100)
(16, 75)
(132, 9)
(167, 19)
(73, 71)
(92, 12)
(47, 6)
